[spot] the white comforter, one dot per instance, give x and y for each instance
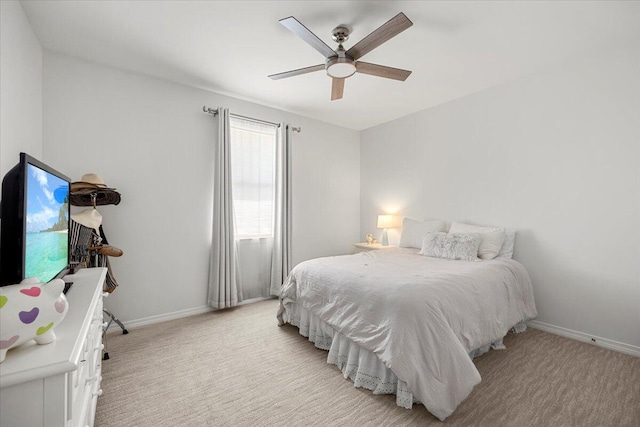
(421, 316)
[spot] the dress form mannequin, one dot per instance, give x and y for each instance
(90, 218)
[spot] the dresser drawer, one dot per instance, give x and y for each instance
(85, 381)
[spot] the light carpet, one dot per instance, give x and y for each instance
(236, 367)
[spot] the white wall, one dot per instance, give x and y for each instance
(555, 156)
(20, 87)
(150, 139)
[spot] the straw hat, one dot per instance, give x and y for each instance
(95, 197)
(90, 218)
(92, 190)
(91, 182)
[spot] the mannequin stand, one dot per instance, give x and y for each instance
(115, 319)
(105, 356)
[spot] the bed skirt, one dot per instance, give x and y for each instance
(359, 365)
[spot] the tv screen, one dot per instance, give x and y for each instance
(35, 222)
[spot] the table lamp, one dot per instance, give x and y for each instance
(387, 221)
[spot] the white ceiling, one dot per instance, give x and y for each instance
(454, 48)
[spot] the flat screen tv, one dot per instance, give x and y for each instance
(34, 215)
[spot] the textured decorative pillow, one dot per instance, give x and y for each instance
(492, 238)
(413, 231)
(506, 251)
(462, 246)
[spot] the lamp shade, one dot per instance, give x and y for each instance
(388, 221)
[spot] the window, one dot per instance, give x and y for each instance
(253, 149)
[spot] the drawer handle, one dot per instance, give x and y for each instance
(104, 325)
(91, 379)
(97, 393)
(100, 347)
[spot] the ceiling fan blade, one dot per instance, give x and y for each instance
(297, 72)
(382, 71)
(293, 25)
(337, 89)
(386, 31)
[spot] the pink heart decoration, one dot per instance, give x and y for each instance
(60, 305)
(29, 316)
(8, 343)
(32, 292)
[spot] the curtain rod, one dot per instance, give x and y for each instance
(214, 112)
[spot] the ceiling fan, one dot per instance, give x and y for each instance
(340, 64)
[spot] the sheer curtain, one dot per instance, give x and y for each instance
(224, 283)
(253, 163)
(281, 262)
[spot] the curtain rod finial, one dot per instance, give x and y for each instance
(210, 110)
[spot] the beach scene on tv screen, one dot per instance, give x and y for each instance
(47, 224)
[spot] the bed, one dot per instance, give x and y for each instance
(399, 321)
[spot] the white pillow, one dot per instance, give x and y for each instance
(492, 238)
(413, 231)
(463, 246)
(506, 251)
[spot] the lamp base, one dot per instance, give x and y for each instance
(385, 238)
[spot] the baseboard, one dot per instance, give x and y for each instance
(158, 318)
(631, 350)
(171, 316)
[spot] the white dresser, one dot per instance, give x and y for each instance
(58, 384)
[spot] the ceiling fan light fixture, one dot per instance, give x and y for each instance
(341, 68)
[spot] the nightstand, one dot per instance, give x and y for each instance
(366, 247)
